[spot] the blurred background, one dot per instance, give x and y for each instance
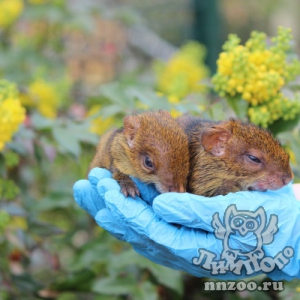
(70, 70)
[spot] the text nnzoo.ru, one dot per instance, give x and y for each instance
(243, 286)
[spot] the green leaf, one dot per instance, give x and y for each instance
(25, 283)
(43, 229)
(67, 296)
(192, 104)
(217, 111)
(145, 291)
(13, 209)
(115, 286)
(66, 140)
(11, 159)
(290, 291)
(165, 276)
(239, 106)
(93, 255)
(76, 281)
(106, 297)
(18, 145)
(40, 122)
(149, 98)
(48, 203)
(282, 125)
(111, 110)
(82, 133)
(117, 94)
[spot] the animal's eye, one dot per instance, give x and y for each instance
(148, 162)
(254, 159)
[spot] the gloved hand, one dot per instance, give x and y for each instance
(228, 237)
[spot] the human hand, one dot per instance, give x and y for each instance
(241, 234)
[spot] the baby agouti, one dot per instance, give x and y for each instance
(232, 156)
(152, 147)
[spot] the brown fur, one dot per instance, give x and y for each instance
(219, 157)
(153, 134)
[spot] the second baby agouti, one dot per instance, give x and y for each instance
(231, 156)
(152, 147)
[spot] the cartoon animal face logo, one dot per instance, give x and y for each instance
(251, 226)
(244, 224)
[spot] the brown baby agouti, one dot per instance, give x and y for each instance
(233, 156)
(151, 147)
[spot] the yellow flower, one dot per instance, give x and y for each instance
(173, 99)
(45, 96)
(17, 223)
(10, 10)
(246, 96)
(100, 125)
(26, 100)
(224, 63)
(175, 113)
(183, 73)
(141, 105)
(40, 2)
(263, 109)
(12, 114)
(37, 2)
(240, 88)
(256, 73)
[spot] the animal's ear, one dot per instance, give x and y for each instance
(131, 126)
(214, 139)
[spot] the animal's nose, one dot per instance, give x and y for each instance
(287, 178)
(179, 189)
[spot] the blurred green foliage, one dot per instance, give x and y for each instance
(49, 248)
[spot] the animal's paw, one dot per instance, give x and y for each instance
(128, 188)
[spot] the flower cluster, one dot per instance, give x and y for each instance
(12, 114)
(37, 2)
(45, 96)
(256, 72)
(183, 73)
(10, 10)
(41, 2)
(99, 125)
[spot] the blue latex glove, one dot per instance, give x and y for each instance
(229, 237)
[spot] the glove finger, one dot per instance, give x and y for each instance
(135, 222)
(182, 248)
(87, 197)
(107, 184)
(147, 191)
(197, 211)
(141, 244)
(97, 174)
(141, 222)
(106, 220)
